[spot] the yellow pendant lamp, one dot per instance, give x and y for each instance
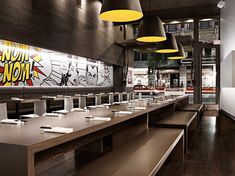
(168, 46)
(151, 30)
(121, 10)
(179, 55)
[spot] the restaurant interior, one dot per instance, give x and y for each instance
(117, 88)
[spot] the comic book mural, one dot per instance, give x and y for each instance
(23, 65)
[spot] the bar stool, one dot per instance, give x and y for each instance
(82, 101)
(68, 103)
(104, 98)
(3, 112)
(128, 96)
(97, 99)
(40, 107)
(120, 98)
(111, 98)
(133, 95)
(124, 96)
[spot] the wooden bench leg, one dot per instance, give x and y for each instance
(178, 153)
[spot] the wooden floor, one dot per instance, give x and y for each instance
(211, 154)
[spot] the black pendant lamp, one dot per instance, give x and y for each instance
(168, 46)
(151, 30)
(179, 55)
(121, 10)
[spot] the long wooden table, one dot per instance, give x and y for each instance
(21, 144)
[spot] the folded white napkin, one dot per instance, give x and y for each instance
(45, 96)
(60, 130)
(161, 102)
(67, 96)
(99, 119)
(124, 112)
(78, 110)
(124, 102)
(52, 114)
(107, 104)
(100, 106)
(140, 108)
(156, 103)
(16, 98)
(92, 107)
(11, 121)
(30, 116)
(64, 112)
(171, 99)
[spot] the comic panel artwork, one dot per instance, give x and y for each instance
(23, 65)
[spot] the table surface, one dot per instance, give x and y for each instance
(30, 135)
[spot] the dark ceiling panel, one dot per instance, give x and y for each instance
(175, 9)
(152, 5)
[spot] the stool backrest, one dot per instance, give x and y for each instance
(3, 111)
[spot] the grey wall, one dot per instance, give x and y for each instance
(61, 25)
(228, 57)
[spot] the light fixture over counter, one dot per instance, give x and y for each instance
(169, 45)
(179, 55)
(121, 10)
(151, 30)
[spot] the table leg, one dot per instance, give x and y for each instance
(16, 160)
(17, 106)
(48, 106)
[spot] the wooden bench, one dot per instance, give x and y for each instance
(141, 156)
(180, 119)
(192, 108)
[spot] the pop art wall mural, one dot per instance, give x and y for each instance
(23, 65)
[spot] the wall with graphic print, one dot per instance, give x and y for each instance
(23, 65)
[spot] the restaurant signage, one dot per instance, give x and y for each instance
(23, 65)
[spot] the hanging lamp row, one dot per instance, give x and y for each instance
(151, 28)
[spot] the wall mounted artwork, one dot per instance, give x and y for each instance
(23, 65)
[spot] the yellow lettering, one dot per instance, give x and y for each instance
(25, 73)
(16, 55)
(16, 72)
(6, 55)
(7, 73)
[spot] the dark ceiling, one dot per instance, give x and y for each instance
(175, 9)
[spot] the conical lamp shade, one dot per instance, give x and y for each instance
(151, 30)
(169, 45)
(121, 10)
(179, 55)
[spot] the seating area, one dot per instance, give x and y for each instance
(130, 137)
(142, 155)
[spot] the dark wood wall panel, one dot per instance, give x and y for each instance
(62, 25)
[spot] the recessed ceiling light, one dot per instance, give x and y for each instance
(206, 19)
(189, 21)
(174, 22)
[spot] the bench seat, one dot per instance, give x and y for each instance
(193, 108)
(181, 120)
(141, 156)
